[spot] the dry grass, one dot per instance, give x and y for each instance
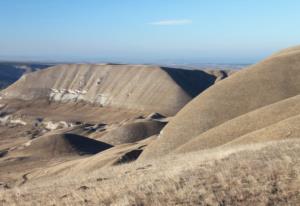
(258, 174)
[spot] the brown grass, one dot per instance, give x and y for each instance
(260, 174)
(265, 83)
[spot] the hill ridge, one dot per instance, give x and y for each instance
(140, 87)
(265, 83)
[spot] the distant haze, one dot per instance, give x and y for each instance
(156, 32)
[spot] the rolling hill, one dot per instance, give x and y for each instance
(87, 134)
(249, 100)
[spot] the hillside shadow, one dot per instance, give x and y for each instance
(193, 82)
(129, 157)
(86, 145)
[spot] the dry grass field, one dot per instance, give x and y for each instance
(258, 174)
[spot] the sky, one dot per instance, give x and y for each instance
(147, 31)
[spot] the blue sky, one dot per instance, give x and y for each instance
(140, 31)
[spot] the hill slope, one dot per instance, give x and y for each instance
(11, 72)
(138, 87)
(263, 84)
(265, 174)
(68, 134)
(246, 123)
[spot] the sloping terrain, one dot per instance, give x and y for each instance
(57, 117)
(78, 130)
(133, 132)
(63, 144)
(286, 129)
(136, 87)
(12, 71)
(260, 174)
(252, 121)
(231, 103)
